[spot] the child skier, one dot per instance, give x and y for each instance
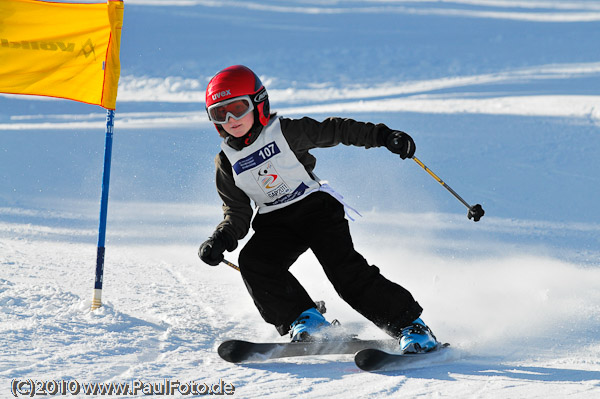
(266, 159)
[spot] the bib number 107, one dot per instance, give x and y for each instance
(268, 151)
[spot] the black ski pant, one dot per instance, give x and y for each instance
(317, 222)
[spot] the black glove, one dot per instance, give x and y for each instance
(400, 143)
(211, 251)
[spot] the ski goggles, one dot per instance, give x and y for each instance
(236, 107)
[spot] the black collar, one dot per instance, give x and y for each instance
(239, 143)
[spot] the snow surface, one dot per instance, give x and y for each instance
(503, 100)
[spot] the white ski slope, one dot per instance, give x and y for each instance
(502, 98)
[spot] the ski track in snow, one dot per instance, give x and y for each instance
(419, 96)
(164, 314)
(516, 296)
(524, 10)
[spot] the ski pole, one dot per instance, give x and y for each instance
(475, 211)
(232, 265)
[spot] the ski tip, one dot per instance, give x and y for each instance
(380, 360)
(234, 351)
(369, 359)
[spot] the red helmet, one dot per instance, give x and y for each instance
(235, 81)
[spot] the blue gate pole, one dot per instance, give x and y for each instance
(110, 123)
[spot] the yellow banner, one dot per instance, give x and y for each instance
(63, 50)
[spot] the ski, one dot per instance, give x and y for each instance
(376, 359)
(237, 351)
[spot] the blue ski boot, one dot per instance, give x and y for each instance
(417, 338)
(307, 325)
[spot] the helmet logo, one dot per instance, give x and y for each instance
(220, 94)
(261, 96)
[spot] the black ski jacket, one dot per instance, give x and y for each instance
(302, 135)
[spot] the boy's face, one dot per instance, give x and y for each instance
(239, 127)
